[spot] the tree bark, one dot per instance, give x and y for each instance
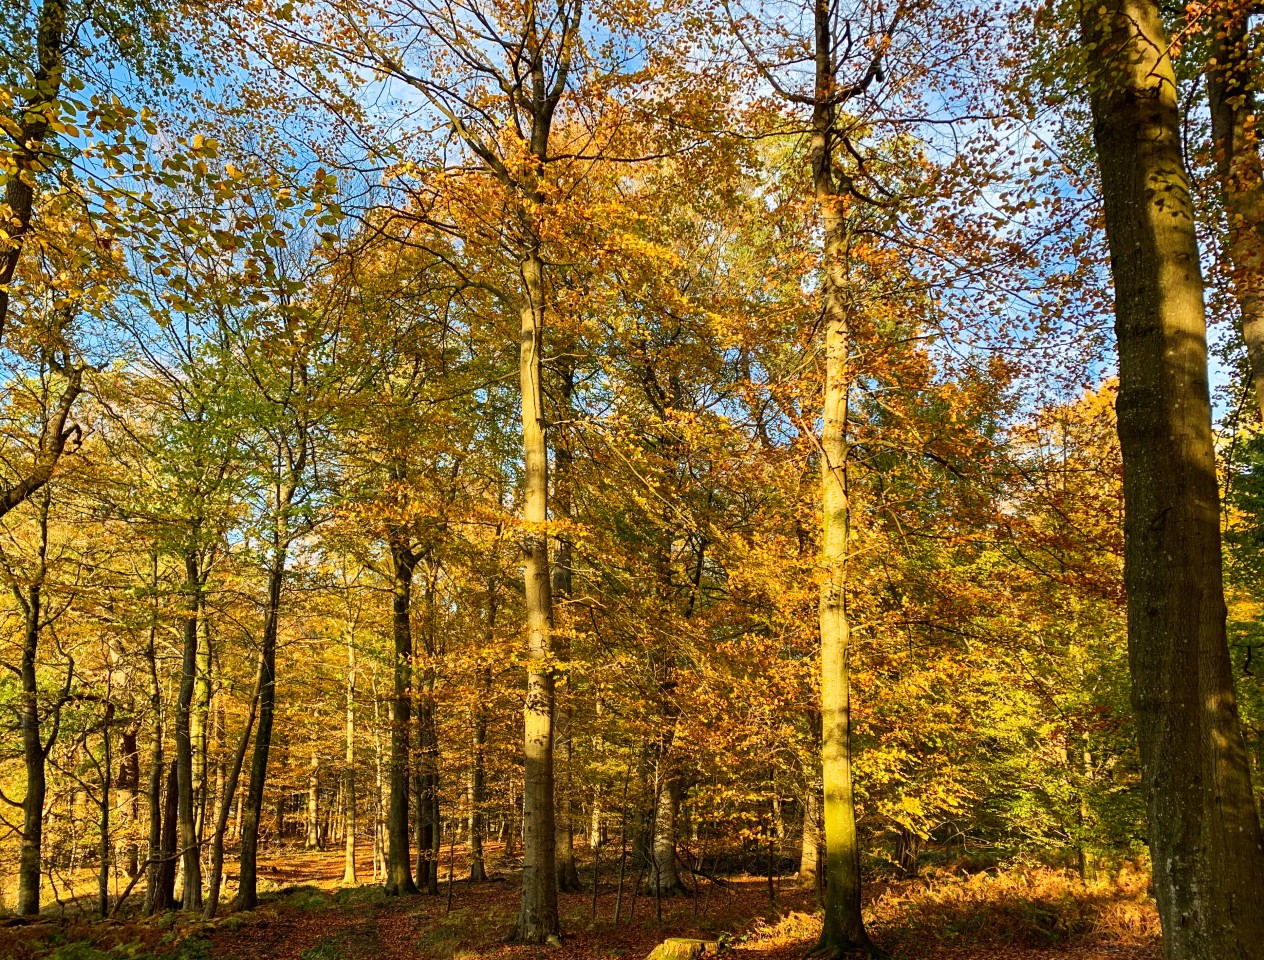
(810, 851)
(429, 824)
(164, 897)
(1231, 103)
(537, 918)
(1204, 830)
(399, 877)
(252, 814)
(191, 855)
(153, 869)
(665, 881)
(199, 721)
(843, 928)
(349, 784)
(34, 755)
(127, 851)
(313, 840)
(226, 802)
(28, 158)
(563, 479)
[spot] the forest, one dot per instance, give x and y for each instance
(501, 479)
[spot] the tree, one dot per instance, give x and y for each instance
(1204, 830)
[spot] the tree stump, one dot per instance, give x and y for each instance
(680, 948)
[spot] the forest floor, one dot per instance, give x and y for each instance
(309, 915)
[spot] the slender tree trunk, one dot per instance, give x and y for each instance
(1204, 830)
(477, 797)
(399, 876)
(153, 869)
(103, 849)
(226, 802)
(127, 851)
(191, 855)
(313, 840)
(199, 721)
(429, 824)
(349, 784)
(478, 773)
(379, 831)
(1236, 136)
(247, 888)
(537, 918)
(34, 756)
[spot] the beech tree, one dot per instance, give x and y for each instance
(1205, 841)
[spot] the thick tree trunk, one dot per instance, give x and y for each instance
(1235, 132)
(1204, 830)
(537, 918)
(664, 880)
(190, 854)
(399, 875)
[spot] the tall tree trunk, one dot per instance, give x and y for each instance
(537, 918)
(843, 928)
(190, 853)
(247, 889)
(1204, 830)
(226, 801)
(348, 775)
(399, 875)
(1236, 136)
(34, 755)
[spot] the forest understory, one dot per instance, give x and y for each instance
(307, 913)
